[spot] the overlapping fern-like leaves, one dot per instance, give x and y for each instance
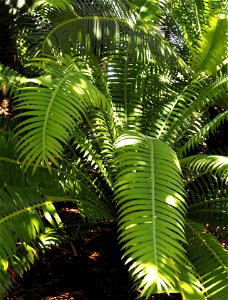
(11, 79)
(60, 104)
(212, 46)
(29, 222)
(210, 260)
(150, 200)
(98, 124)
(200, 164)
(20, 223)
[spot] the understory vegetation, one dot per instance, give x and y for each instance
(117, 110)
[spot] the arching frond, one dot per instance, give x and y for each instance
(212, 47)
(88, 154)
(101, 138)
(204, 132)
(64, 5)
(106, 8)
(87, 189)
(47, 14)
(172, 109)
(151, 206)
(123, 52)
(10, 173)
(187, 114)
(97, 70)
(104, 36)
(188, 284)
(210, 260)
(183, 22)
(52, 108)
(112, 71)
(199, 164)
(86, 184)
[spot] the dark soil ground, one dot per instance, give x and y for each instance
(87, 270)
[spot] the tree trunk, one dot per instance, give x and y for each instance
(8, 49)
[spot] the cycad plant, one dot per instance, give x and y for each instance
(118, 121)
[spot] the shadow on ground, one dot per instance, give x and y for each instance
(91, 269)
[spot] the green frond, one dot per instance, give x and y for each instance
(103, 132)
(86, 187)
(105, 8)
(97, 70)
(95, 211)
(18, 207)
(116, 91)
(108, 36)
(186, 118)
(25, 256)
(172, 109)
(116, 46)
(63, 5)
(52, 10)
(211, 49)
(89, 185)
(20, 222)
(47, 14)
(88, 155)
(207, 199)
(212, 164)
(11, 79)
(210, 260)
(12, 173)
(84, 179)
(206, 185)
(148, 11)
(183, 107)
(10, 169)
(151, 207)
(23, 217)
(182, 21)
(142, 95)
(52, 108)
(203, 133)
(100, 136)
(189, 284)
(6, 279)
(193, 15)
(156, 94)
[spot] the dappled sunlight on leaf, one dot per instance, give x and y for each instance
(4, 263)
(171, 201)
(151, 211)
